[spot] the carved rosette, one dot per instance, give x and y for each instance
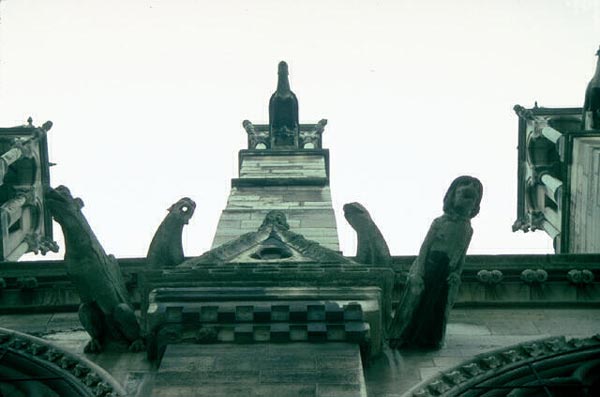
(533, 277)
(580, 277)
(490, 277)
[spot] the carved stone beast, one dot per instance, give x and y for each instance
(166, 248)
(105, 311)
(372, 248)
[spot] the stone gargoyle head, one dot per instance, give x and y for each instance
(463, 197)
(62, 204)
(183, 209)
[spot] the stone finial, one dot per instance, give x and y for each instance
(434, 276)
(283, 112)
(523, 112)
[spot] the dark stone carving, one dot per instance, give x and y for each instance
(105, 311)
(60, 363)
(523, 112)
(490, 277)
(580, 277)
(276, 218)
(311, 139)
(166, 248)
(283, 112)
(530, 276)
(434, 277)
(562, 368)
(592, 99)
(256, 139)
(372, 248)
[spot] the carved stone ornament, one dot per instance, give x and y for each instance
(372, 248)
(256, 139)
(81, 375)
(166, 248)
(562, 367)
(105, 311)
(490, 277)
(434, 277)
(580, 277)
(531, 276)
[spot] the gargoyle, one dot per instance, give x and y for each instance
(372, 248)
(105, 311)
(166, 248)
(434, 276)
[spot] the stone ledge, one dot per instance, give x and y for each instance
(282, 181)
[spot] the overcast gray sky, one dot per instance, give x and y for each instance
(147, 100)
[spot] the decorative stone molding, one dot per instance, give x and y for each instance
(537, 276)
(580, 277)
(511, 367)
(274, 315)
(490, 277)
(75, 370)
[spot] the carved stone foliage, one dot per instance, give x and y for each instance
(372, 248)
(79, 376)
(105, 312)
(434, 277)
(539, 368)
(166, 248)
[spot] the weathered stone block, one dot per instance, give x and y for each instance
(209, 314)
(280, 332)
(317, 332)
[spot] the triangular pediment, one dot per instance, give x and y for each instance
(272, 242)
